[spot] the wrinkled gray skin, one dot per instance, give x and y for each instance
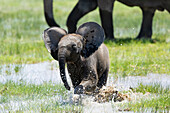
(83, 7)
(86, 56)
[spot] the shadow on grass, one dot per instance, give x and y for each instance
(128, 40)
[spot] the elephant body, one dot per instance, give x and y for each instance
(93, 70)
(83, 7)
(86, 56)
(155, 4)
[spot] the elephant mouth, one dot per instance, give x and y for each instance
(72, 60)
(72, 57)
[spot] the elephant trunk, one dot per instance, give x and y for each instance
(62, 59)
(48, 12)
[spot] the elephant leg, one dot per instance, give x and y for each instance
(146, 27)
(88, 84)
(106, 9)
(82, 8)
(103, 79)
(48, 12)
(85, 85)
(75, 81)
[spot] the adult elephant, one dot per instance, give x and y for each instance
(83, 7)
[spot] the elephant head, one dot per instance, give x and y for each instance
(71, 47)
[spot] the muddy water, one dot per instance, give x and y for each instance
(49, 72)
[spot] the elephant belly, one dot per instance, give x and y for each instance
(156, 4)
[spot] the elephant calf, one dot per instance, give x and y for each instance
(86, 56)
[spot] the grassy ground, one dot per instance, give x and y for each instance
(139, 58)
(38, 98)
(148, 98)
(160, 100)
(22, 24)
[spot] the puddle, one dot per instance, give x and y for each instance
(134, 81)
(32, 73)
(49, 72)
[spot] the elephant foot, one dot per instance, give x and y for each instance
(109, 38)
(79, 90)
(143, 37)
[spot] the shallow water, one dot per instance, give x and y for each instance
(49, 72)
(134, 81)
(31, 73)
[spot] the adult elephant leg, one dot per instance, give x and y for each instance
(106, 9)
(48, 12)
(82, 8)
(146, 27)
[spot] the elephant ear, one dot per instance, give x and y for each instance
(51, 37)
(94, 37)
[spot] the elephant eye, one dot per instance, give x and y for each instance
(74, 46)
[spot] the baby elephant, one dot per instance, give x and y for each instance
(86, 56)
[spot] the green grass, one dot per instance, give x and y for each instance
(138, 58)
(155, 88)
(23, 89)
(38, 98)
(23, 52)
(158, 101)
(161, 103)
